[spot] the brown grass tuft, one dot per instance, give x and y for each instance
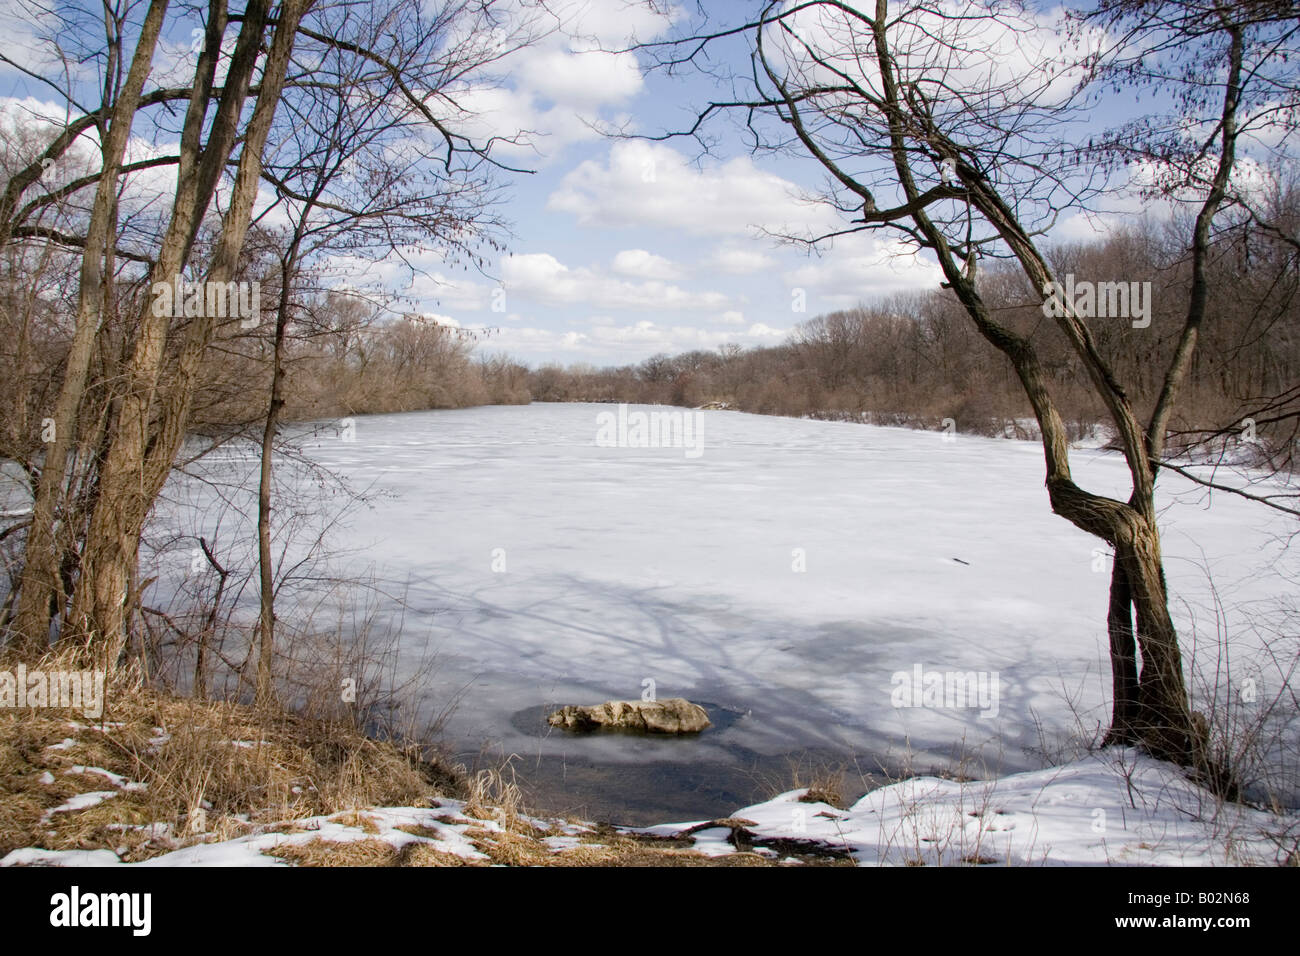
(368, 852)
(210, 770)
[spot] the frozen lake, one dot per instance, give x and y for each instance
(785, 575)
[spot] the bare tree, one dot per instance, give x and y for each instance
(949, 129)
(42, 558)
(398, 72)
(152, 419)
(1223, 66)
(358, 172)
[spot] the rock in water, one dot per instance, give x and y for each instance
(676, 715)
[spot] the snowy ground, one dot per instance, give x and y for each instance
(1116, 809)
(381, 823)
(796, 574)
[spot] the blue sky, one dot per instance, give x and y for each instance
(620, 248)
(627, 247)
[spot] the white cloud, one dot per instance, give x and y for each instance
(29, 32)
(604, 342)
(1010, 55)
(861, 267)
(609, 23)
(580, 80)
(430, 289)
(553, 90)
(647, 337)
(639, 264)
(649, 184)
(739, 260)
(543, 279)
(763, 331)
(29, 125)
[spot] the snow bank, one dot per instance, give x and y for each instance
(1114, 808)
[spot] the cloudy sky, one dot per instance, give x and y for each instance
(628, 247)
(620, 247)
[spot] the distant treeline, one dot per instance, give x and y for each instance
(917, 359)
(346, 358)
(911, 360)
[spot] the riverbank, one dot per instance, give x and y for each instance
(164, 780)
(158, 780)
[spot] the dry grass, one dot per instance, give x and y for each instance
(210, 770)
(494, 794)
(330, 853)
(603, 846)
(176, 771)
(823, 780)
(422, 854)
(828, 790)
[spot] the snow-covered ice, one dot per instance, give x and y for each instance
(796, 575)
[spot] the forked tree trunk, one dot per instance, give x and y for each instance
(1153, 710)
(113, 534)
(152, 423)
(43, 553)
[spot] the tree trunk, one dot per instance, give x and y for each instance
(265, 689)
(1164, 719)
(1123, 660)
(145, 446)
(42, 555)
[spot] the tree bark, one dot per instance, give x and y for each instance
(1123, 660)
(42, 555)
(151, 425)
(266, 650)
